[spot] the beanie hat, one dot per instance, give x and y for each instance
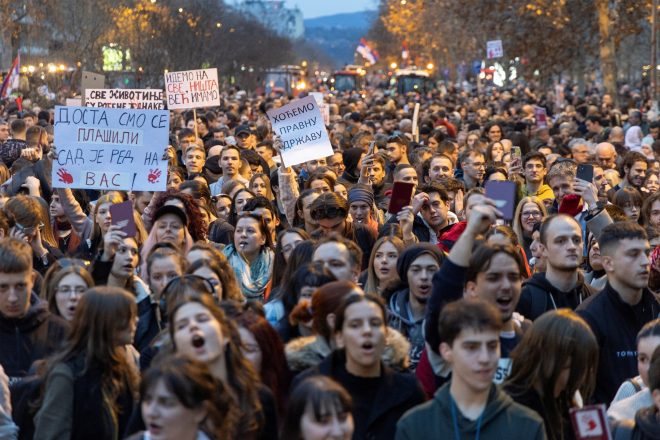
(407, 257)
(359, 194)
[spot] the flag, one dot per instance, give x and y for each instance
(367, 52)
(405, 53)
(11, 80)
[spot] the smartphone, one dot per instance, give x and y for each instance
(516, 156)
(585, 172)
(372, 147)
(504, 196)
(122, 215)
(402, 193)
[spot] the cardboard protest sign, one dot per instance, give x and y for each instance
(494, 49)
(116, 149)
(90, 80)
(192, 89)
(150, 99)
(300, 125)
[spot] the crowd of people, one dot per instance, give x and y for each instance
(258, 300)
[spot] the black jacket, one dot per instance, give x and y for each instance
(394, 394)
(149, 321)
(616, 324)
(539, 296)
(646, 426)
(33, 337)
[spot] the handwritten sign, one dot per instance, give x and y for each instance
(192, 89)
(118, 149)
(494, 49)
(323, 107)
(151, 99)
(300, 125)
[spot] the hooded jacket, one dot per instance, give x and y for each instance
(616, 324)
(30, 338)
(399, 318)
(309, 351)
(539, 296)
(502, 419)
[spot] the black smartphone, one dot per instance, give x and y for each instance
(585, 172)
(504, 196)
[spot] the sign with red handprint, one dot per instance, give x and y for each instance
(589, 423)
(111, 148)
(64, 176)
(154, 176)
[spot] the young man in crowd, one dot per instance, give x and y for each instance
(535, 170)
(634, 171)
(492, 273)
(397, 151)
(230, 162)
(620, 310)
(28, 331)
(342, 257)
(439, 166)
(470, 405)
(473, 163)
(562, 284)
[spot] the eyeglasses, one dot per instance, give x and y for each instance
(329, 212)
(69, 291)
(532, 214)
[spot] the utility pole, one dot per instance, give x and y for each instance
(654, 57)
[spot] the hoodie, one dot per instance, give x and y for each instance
(33, 337)
(400, 318)
(502, 419)
(539, 296)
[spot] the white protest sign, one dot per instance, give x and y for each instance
(149, 99)
(300, 125)
(494, 49)
(192, 89)
(113, 149)
(323, 107)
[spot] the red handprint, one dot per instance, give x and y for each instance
(154, 175)
(64, 176)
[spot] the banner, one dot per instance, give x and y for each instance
(300, 125)
(149, 99)
(192, 89)
(111, 149)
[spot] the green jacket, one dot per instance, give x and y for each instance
(502, 419)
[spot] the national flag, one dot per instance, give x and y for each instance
(367, 52)
(11, 81)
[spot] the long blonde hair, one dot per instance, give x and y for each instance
(372, 285)
(517, 222)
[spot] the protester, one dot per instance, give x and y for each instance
(64, 284)
(181, 399)
(470, 404)
(555, 360)
(91, 384)
(380, 396)
(319, 408)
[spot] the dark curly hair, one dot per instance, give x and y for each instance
(197, 228)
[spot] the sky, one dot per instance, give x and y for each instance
(319, 8)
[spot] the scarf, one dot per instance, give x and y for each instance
(253, 278)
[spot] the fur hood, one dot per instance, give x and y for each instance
(308, 351)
